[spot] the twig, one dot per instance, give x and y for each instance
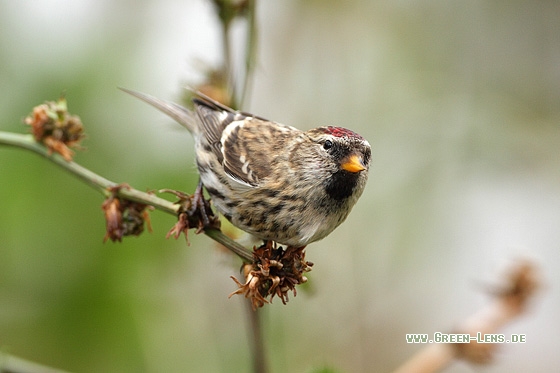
(29, 143)
(109, 188)
(12, 364)
(219, 237)
(251, 50)
(257, 341)
(509, 303)
(227, 11)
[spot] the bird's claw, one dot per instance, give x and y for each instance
(194, 212)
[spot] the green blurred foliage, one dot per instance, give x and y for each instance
(458, 99)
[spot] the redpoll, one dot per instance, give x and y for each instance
(272, 180)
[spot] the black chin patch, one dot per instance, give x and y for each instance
(341, 185)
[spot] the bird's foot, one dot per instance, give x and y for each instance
(195, 212)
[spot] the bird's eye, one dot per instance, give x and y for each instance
(327, 145)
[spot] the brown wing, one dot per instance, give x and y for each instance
(213, 119)
(251, 146)
(246, 145)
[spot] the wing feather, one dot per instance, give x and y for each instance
(251, 146)
(235, 138)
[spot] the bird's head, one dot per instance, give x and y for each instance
(337, 157)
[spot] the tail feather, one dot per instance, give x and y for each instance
(182, 115)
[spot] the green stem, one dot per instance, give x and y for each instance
(107, 187)
(12, 364)
(257, 346)
(228, 63)
(250, 52)
(219, 237)
(29, 143)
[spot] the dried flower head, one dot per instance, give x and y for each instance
(124, 217)
(274, 272)
(228, 10)
(522, 281)
(58, 130)
(215, 86)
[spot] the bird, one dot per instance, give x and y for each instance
(272, 180)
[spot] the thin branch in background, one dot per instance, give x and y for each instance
(258, 352)
(228, 10)
(250, 51)
(12, 364)
(509, 303)
(236, 87)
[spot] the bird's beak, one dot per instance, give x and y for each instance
(353, 164)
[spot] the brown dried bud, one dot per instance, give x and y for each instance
(113, 218)
(58, 130)
(228, 10)
(523, 282)
(215, 86)
(124, 217)
(274, 272)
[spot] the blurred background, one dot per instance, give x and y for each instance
(459, 100)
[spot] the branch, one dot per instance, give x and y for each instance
(12, 364)
(251, 50)
(509, 303)
(110, 188)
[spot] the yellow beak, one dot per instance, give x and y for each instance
(353, 164)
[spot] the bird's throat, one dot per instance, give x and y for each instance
(341, 185)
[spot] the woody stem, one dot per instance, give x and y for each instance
(107, 187)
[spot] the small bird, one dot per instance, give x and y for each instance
(271, 180)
